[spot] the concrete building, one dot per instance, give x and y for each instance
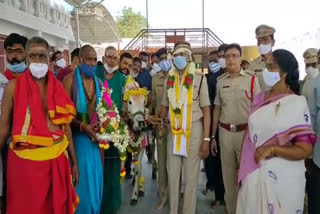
(36, 18)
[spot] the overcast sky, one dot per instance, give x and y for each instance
(235, 20)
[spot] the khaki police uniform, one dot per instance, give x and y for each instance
(308, 89)
(158, 82)
(259, 64)
(233, 97)
(190, 164)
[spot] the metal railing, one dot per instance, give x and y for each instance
(202, 38)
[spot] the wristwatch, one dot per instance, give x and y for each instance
(213, 137)
(206, 139)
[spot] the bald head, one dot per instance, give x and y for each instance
(88, 55)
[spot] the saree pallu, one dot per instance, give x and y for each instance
(40, 187)
(276, 185)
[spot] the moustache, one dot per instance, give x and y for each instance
(14, 61)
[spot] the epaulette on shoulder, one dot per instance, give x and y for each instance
(222, 76)
(251, 73)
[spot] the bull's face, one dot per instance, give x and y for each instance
(136, 110)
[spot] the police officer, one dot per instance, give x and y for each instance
(310, 90)
(185, 147)
(265, 41)
(158, 82)
(235, 90)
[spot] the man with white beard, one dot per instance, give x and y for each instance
(265, 42)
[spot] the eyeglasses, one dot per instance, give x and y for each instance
(229, 56)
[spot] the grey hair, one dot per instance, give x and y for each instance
(37, 40)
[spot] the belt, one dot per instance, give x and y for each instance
(234, 128)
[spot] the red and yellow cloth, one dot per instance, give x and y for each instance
(39, 172)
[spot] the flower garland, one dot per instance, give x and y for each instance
(135, 92)
(112, 127)
(183, 87)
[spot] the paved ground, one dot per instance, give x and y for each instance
(147, 204)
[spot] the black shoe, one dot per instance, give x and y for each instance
(154, 176)
(128, 176)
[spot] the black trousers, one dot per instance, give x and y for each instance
(313, 187)
(213, 171)
(128, 162)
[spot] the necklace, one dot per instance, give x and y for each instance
(89, 95)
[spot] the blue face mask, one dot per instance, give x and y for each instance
(180, 62)
(17, 68)
(214, 67)
(165, 65)
(87, 70)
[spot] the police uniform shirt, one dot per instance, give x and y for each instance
(233, 96)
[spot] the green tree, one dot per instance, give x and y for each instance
(130, 23)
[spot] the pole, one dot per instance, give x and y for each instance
(203, 42)
(147, 15)
(77, 27)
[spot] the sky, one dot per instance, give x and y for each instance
(231, 20)
(235, 20)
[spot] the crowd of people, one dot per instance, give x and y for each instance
(256, 135)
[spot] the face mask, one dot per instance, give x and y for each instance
(214, 67)
(87, 70)
(17, 68)
(110, 70)
(165, 65)
(264, 49)
(38, 70)
(222, 62)
(270, 78)
(61, 63)
(133, 74)
(313, 72)
(143, 64)
(180, 62)
(156, 68)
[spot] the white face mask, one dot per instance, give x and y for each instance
(143, 64)
(133, 74)
(222, 62)
(270, 78)
(313, 72)
(38, 70)
(265, 49)
(155, 69)
(110, 70)
(61, 63)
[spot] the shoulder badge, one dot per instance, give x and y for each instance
(222, 76)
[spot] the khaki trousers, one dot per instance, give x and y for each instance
(162, 165)
(191, 168)
(230, 145)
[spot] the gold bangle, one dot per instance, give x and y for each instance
(272, 151)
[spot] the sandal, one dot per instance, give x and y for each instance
(216, 203)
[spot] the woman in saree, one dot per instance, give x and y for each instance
(279, 139)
